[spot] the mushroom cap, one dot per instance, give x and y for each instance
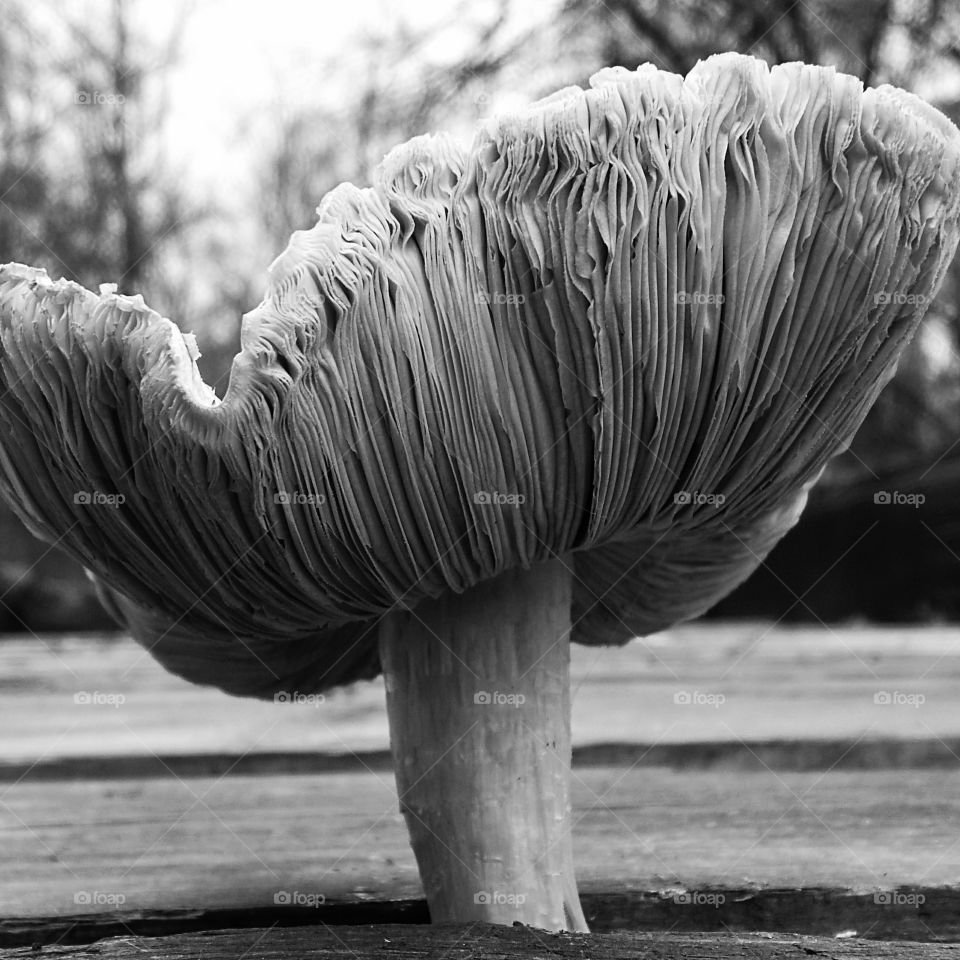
(628, 328)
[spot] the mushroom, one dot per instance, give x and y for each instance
(571, 384)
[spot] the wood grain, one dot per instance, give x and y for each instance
(237, 842)
(797, 798)
(459, 942)
(778, 683)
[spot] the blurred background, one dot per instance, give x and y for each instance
(171, 147)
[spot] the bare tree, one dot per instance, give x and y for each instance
(400, 88)
(128, 203)
(87, 192)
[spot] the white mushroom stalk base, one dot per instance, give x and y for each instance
(478, 696)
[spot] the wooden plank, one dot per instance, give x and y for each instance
(239, 842)
(810, 912)
(467, 942)
(778, 683)
(184, 840)
(771, 755)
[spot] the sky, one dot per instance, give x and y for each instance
(241, 59)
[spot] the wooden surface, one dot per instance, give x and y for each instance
(797, 798)
(239, 841)
(781, 683)
(478, 941)
(806, 912)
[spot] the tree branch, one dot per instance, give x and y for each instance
(673, 55)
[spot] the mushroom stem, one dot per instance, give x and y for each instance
(478, 695)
